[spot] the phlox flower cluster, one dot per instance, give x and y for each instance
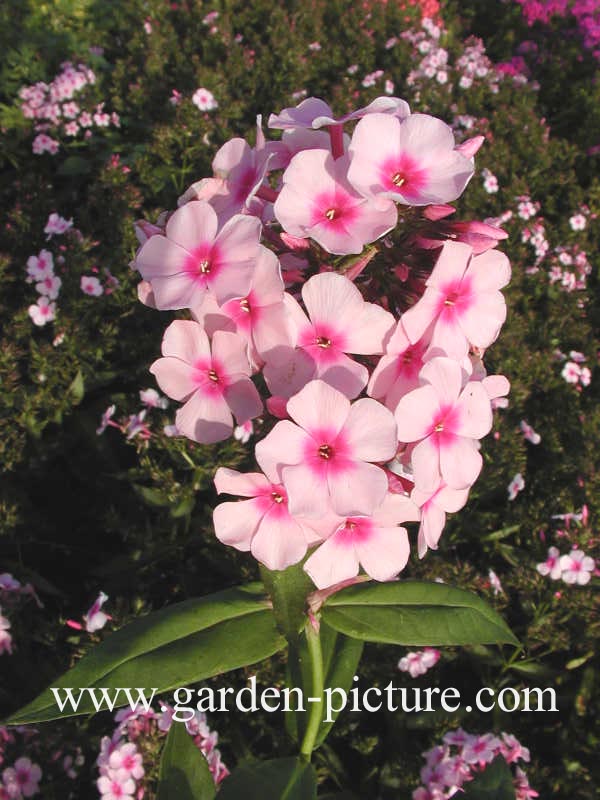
(375, 406)
(574, 371)
(53, 108)
(569, 268)
(11, 593)
(419, 662)
(585, 13)
(137, 425)
(572, 568)
(490, 181)
(134, 741)
(22, 750)
(451, 765)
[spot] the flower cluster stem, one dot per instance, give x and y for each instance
(313, 639)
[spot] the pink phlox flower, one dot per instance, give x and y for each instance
(42, 312)
(57, 225)
(481, 750)
(529, 433)
(212, 380)
(326, 458)
(165, 719)
(462, 301)
(516, 485)
(260, 316)
(40, 267)
(512, 749)
(49, 287)
(127, 758)
(137, 426)
(434, 507)
(375, 542)
(91, 285)
(577, 567)
(571, 372)
(523, 790)
(316, 113)
(318, 201)
(105, 420)
(551, 566)
(479, 235)
(262, 524)
(458, 738)
(96, 619)
(204, 100)
(152, 399)
(577, 222)
(5, 637)
(339, 322)
(8, 583)
(195, 256)
(397, 372)
(412, 161)
(418, 663)
(445, 419)
(117, 785)
(26, 775)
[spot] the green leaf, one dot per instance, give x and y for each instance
(341, 656)
(74, 165)
(288, 589)
(415, 613)
(77, 387)
(279, 779)
(182, 644)
(494, 783)
(184, 772)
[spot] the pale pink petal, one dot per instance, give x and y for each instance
(374, 141)
(432, 526)
(482, 320)
(245, 484)
(385, 553)
(279, 541)
(332, 298)
(451, 265)
(447, 179)
(192, 224)
(383, 377)
(185, 339)
(205, 419)
(418, 318)
(425, 461)
(445, 375)
(370, 330)
(334, 561)
(319, 406)
(236, 523)
(175, 377)
(394, 509)
(173, 292)
(308, 493)
(273, 330)
(489, 271)
(237, 245)
(267, 280)
(229, 349)
(233, 153)
(496, 386)
(244, 400)
(460, 463)
(475, 412)
(285, 444)
(159, 256)
(451, 500)
(416, 413)
(359, 489)
(346, 375)
(288, 370)
(370, 431)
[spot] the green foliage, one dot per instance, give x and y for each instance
(184, 773)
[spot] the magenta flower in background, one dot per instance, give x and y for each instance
(325, 460)
(194, 256)
(413, 161)
(317, 201)
(213, 381)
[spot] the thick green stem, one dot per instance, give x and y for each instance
(313, 640)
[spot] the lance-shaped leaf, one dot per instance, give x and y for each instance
(184, 772)
(415, 613)
(279, 779)
(182, 644)
(494, 783)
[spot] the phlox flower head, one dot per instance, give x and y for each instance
(117, 785)
(49, 287)
(91, 285)
(262, 524)
(445, 420)
(462, 301)
(339, 322)
(577, 222)
(204, 100)
(577, 567)
(375, 542)
(152, 399)
(326, 456)
(212, 380)
(42, 312)
(57, 225)
(127, 758)
(418, 663)
(318, 201)
(41, 266)
(195, 256)
(412, 161)
(25, 775)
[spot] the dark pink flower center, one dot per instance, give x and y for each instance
(402, 174)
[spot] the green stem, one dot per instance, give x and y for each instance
(313, 640)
